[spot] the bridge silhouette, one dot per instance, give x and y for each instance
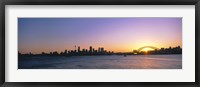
(152, 47)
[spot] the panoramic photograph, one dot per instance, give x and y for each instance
(100, 43)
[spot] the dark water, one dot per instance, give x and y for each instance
(103, 62)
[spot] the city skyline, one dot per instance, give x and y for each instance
(38, 35)
(77, 51)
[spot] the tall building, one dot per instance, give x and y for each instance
(65, 52)
(79, 49)
(90, 49)
(83, 50)
(75, 49)
(99, 50)
(93, 50)
(102, 49)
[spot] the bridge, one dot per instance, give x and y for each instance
(152, 47)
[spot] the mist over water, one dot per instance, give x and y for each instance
(102, 62)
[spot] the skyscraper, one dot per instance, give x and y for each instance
(102, 49)
(65, 52)
(99, 50)
(90, 49)
(79, 49)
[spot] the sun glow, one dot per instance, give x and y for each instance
(147, 49)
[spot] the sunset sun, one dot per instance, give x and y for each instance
(147, 49)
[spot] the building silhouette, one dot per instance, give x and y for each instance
(102, 51)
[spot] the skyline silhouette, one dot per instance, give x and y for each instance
(102, 51)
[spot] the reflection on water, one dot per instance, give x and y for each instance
(103, 62)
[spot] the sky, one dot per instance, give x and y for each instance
(38, 35)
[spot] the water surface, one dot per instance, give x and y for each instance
(102, 62)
